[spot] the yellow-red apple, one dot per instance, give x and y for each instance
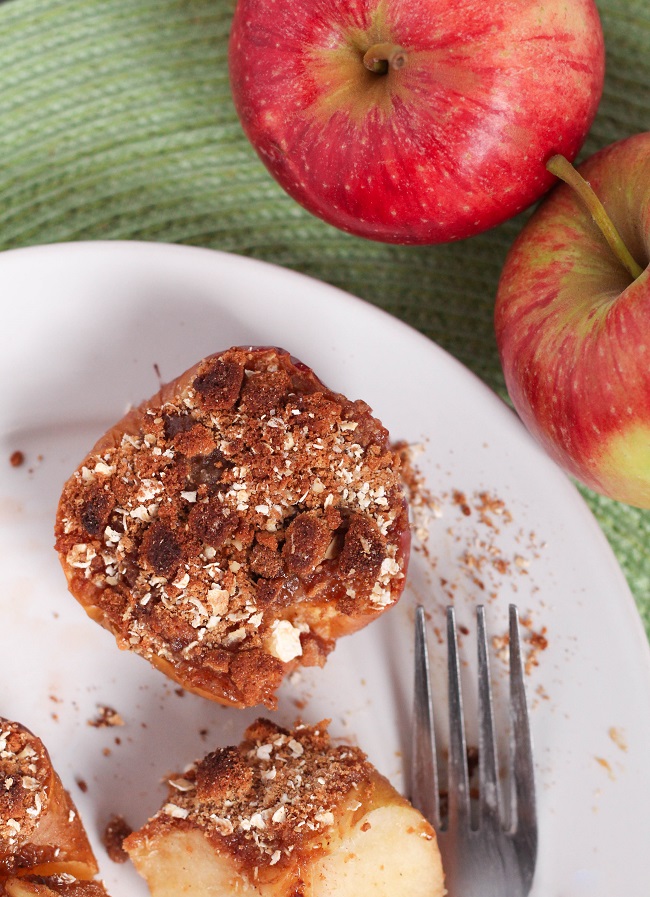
(573, 321)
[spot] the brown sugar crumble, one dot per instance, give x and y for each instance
(422, 502)
(478, 524)
(536, 642)
(477, 521)
(116, 830)
(25, 774)
(17, 458)
(271, 795)
(237, 524)
(106, 718)
(533, 644)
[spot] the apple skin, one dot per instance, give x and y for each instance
(573, 327)
(450, 144)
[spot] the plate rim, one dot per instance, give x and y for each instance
(634, 622)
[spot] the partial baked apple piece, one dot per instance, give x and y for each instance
(44, 848)
(236, 524)
(287, 813)
(52, 886)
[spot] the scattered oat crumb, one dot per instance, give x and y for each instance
(605, 764)
(617, 737)
(501, 644)
(477, 524)
(460, 500)
(117, 829)
(489, 505)
(533, 643)
(106, 718)
(481, 559)
(82, 785)
(423, 504)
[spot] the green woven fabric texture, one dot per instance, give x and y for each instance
(116, 122)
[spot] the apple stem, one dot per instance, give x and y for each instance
(382, 57)
(565, 171)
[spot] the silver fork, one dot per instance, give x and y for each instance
(488, 853)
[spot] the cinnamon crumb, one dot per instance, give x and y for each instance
(117, 829)
(106, 718)
(17, 458)
(460, 500)
(476, 526)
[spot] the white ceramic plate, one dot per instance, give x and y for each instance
(87, 328)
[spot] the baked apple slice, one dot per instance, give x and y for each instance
(288, 813)
(44, 848)
(236, 524)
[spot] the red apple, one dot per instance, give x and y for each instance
(573, 322)
(415, 122)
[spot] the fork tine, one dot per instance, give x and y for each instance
(487, 860)
(487, 754)
(459, 809)
(424, 768)
(525, 827)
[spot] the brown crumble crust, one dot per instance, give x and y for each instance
(116, 830)
(270, 800)
(17, 458)
(25, 785)
(237, 524)
(106, 718)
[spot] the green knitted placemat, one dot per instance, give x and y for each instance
(116, 123)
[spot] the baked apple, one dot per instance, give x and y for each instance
(236, 524)
(286, 814)
(52, 886)
(41, 834)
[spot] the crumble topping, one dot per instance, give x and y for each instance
(228, 510)
(106, 717)
(25, 774)
(277, 793)
(17, 458)
(117, 829)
